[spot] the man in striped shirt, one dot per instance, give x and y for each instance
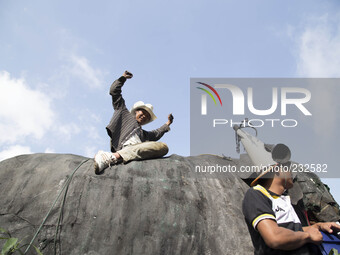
(128, 140)
(273, 224)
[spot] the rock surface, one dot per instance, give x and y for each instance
(158, 206)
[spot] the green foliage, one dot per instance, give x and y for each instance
(333, 252)
(13, 245)
(38, 251)
(9, 246)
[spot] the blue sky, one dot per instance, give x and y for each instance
(58, 59)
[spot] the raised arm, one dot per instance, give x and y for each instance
(156, 134)
(116, 90)
(170, 119)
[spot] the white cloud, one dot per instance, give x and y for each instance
(92, 133)
(23, 111)
(90, 151)
(49, 150)
(319, 56)
(81, 68)
(75, 65)
(66, 131)
(319, 49)
(13, 151)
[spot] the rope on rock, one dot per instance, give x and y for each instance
(65, 187)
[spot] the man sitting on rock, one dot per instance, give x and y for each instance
(128, 140)
(272, 221)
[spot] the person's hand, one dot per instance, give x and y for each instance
(127, 75)
(170, 119)
(328, 227)
(315, 235)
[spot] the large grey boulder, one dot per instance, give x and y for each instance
(158, 206)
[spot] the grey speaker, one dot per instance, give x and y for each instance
(281, 153)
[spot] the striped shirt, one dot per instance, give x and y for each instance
(123, 124)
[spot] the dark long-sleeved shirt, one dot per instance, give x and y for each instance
(123, 124)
